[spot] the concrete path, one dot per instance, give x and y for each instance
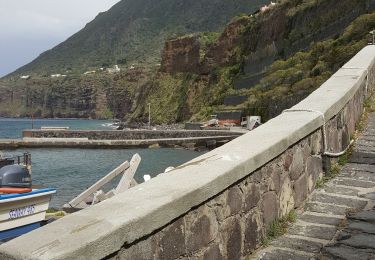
(338, 221)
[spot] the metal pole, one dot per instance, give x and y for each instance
(149, 115)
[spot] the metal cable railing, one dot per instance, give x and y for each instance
(23, 160)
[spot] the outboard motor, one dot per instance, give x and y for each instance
(15, 176)
(5, 162)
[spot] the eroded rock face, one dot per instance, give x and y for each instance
(181, 55)
(223, 52)
(74, 96)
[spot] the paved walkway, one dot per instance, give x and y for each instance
(339, 219)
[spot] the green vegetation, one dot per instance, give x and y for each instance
(279, 227)
(207, 39)
(51, 210)
(184, 96)
(111, 38)
(134, 31)
(303, 72)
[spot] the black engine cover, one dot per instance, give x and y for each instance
(15, 176)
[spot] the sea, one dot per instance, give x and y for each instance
(71, 171)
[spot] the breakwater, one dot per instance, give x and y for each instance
(219, 205)
(125, 134)
(190, 139)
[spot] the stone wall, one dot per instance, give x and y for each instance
(125, 135)
(219, 205)
(232, 224)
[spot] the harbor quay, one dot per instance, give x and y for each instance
(199, 139)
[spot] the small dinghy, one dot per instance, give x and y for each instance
(22, 207)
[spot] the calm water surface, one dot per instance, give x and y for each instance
(71, 171)
(12, 128)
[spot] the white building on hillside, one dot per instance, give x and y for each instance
(89, 72)
(115, 69)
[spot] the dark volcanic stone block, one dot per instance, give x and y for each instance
(360, 241)
(347, 253)
(340, 201)
(360, 175)
(252, 197)
(362, 227)
(300, 190)
(172, 243)
(234, 100)
(200, 231)
(233, 239)
(213, 253)
(248, 82)
(326, 208)
(354, 183)
(143, 250)
(252, 232)
(326, 233)
(368, 216)
(297, 168)
(314, 167)
(362, 158)
(354, 167)
(270, 207)
(234, 200)
(279, 254)
(320, 219)
(298, 244)
(341, 190)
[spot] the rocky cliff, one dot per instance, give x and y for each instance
(181, 55)
(90, 96)
(245, 59)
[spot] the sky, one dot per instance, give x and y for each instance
(30, 27)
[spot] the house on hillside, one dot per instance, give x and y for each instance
(25, 77)
(89, 72)
(267, 7)
(115, 69)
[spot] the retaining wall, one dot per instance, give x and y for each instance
(219, 205)
(124, 134)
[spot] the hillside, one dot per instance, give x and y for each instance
(134, 31)
(259, 64)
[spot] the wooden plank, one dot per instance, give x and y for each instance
(133, 183)
(81, 197)
(128, 176)
(98, 197)
(110, 193)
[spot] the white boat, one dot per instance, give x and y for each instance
(22, 208)
(24, 212)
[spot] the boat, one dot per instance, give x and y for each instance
(22, 206)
